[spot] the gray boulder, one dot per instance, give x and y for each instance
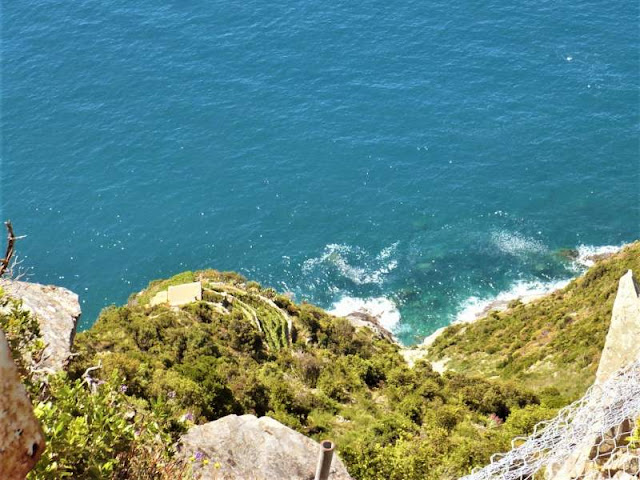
(364, 319)
(622, 345)
(57, 311)
(246, 447)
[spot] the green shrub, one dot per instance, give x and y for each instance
(209, 359)
(555, 341)
(85, 431)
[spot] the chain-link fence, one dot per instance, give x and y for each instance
(596, 437)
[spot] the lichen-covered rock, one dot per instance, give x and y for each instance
(57, 311)
(246, 447)
(21, 439)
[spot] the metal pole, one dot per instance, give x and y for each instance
(324, 460)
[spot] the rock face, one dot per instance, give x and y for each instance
(246, 447)
(21, 439)
(364, 319)
(622, 347)
(623, 339)
(57, 311)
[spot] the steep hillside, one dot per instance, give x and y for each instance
(554, 342)
(147, 372)
(246, 349)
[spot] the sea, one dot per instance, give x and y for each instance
(416, 158)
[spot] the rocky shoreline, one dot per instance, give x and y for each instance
(414, 353)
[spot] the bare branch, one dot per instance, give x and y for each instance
(16, 270)
(91, 369)
(93, 384)
(11, 241)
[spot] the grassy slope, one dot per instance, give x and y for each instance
(331, 380)
(553, 342)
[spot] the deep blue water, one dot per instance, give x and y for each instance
(425, 152)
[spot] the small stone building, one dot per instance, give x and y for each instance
(177, 295)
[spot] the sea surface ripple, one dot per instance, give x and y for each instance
(415, 155)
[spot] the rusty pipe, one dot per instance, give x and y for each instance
(324, 460)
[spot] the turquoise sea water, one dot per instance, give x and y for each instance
(426, 153)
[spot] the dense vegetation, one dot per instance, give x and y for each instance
(554, 342)
(247, 349)
(234, 353)
(92, 429)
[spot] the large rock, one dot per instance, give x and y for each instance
(622, 346)
(365, 319)
(57, 311)
(246, 447)
(21, 439)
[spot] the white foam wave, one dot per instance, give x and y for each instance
(516, 244)
(475, 307)
(588, 253)
(354, 263)
(380, 307)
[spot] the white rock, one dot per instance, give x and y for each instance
(246, 447)
(363, 319)
(57, 311)
(623, 339)
(628, 462)
(623, 476)
(621, 348)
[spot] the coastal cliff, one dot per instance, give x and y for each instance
(552, 342)
(150, 381)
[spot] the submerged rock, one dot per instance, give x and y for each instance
(242, 447)
(57, 311)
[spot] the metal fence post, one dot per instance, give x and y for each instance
(324, 460)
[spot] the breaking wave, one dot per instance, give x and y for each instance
(354, 263)
(381, 308)
(587, 254)
(475, 307)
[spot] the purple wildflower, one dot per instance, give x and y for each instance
(199, 456)
(123, 388)
(188, 416)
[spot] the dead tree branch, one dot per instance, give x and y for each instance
(91, 382)
(10, 263)
(11, 243)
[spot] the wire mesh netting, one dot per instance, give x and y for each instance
(596, 437)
